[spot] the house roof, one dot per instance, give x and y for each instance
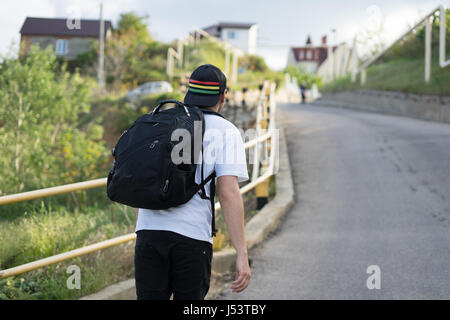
(58, 27)
(235, 25)
(215, 29)
(323, 53)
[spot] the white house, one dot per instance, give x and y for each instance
(240, 35)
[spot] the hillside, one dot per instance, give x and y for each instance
(402, 67)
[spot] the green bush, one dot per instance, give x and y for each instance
(40, 140)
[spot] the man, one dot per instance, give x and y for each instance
(173, 251)
(303, 91)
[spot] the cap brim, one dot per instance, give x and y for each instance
(201, 100)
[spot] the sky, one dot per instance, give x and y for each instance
(282, 23)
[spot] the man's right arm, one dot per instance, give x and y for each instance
(232, 208)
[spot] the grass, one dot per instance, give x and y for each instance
(400, 74)
(47, 231)
(98, 270)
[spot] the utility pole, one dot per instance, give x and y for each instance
(100, 74)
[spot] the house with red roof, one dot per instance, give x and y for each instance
(309, 57)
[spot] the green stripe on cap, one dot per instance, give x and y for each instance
(203, 91)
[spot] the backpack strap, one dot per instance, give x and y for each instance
(212, 192)
(212, 186)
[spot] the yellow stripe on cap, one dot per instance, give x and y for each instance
(203, 87)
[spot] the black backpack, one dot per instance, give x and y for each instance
(143, 174)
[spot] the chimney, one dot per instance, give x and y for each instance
(324, 40)
(308, 41)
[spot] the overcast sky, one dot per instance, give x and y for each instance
(283, 23)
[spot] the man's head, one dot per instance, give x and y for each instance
(207, 88)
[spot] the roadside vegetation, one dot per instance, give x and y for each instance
(402, 67)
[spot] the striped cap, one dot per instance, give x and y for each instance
(206, 84)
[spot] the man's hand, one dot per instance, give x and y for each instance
(243, 273)
(233, 212)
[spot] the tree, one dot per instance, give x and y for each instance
(40, 143)
(131, 55)
(370, 38)
(130, 23)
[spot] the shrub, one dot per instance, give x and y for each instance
(40, 142)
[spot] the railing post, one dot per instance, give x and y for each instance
(227, 61)
(262, 189)
(354, 60)
(443, 20)
(363, 77)
(427, 49)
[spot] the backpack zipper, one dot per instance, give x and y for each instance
(150, 146)
(166, 186)
(167, 181)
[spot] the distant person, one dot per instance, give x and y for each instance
(303, 92)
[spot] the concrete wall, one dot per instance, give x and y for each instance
(425, 107)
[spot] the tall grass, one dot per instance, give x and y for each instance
(49, 231)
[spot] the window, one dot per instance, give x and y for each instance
(61, 47)
(309, 54)
(301, 55)
(231, 35)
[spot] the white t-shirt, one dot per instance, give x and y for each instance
(224, 152)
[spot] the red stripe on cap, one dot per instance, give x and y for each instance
(203, 82)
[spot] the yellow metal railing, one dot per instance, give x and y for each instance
(52, 191)
(265, 112)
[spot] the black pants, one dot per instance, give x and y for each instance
(167, 262)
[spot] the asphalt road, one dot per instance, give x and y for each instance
(371, 189)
